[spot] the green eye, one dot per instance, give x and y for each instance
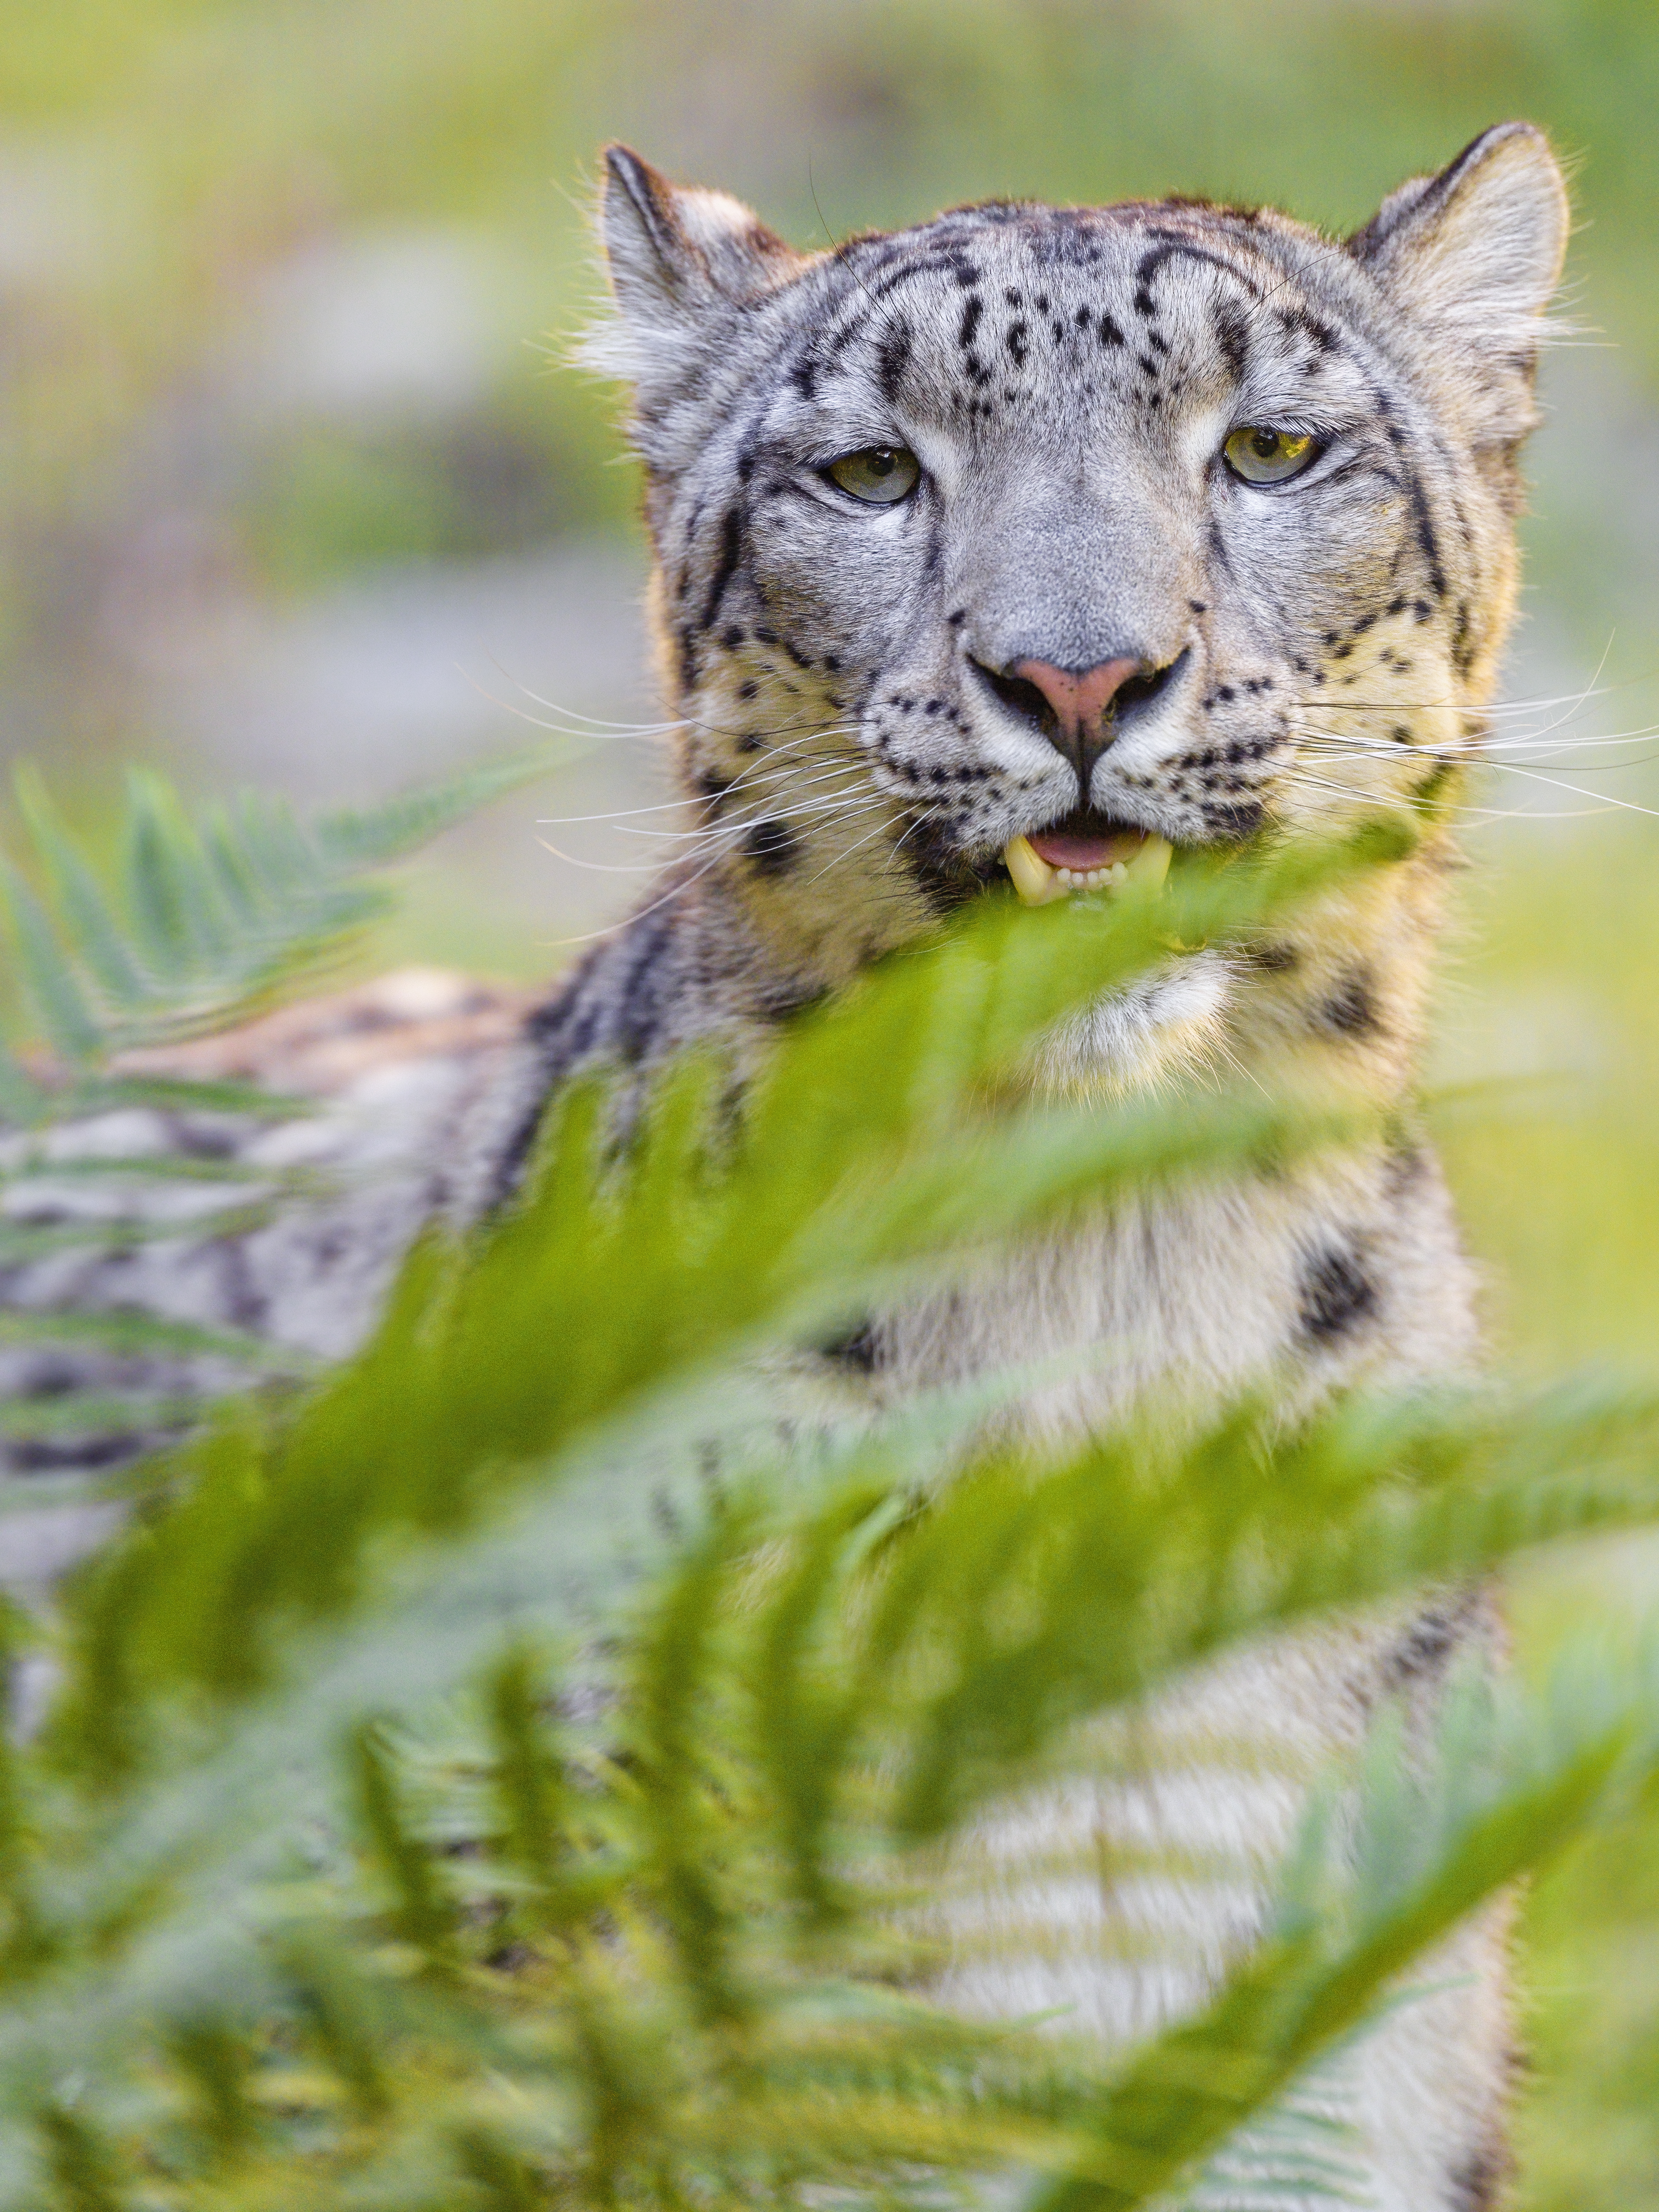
(879, 475)
(1263, 456)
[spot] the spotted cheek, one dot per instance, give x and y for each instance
(1215, 781)
(1378, 714)
(931, 764)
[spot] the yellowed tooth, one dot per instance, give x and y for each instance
(1037, 883)
(1151, 863)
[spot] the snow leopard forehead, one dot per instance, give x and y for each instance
(1067, 381)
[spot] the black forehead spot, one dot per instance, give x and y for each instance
(1185, 249)
(893, 356)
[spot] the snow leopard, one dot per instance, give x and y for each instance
(1008, 553)
(1027, 544)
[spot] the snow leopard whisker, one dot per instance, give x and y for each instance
(1324, 784)
(774, 806)
(596, 724)
(1606, 801)
(600, 867)
(823, 811)
(1536, 704)
(1573, 701)
(562, 728)
(628, 732)
(735, 831)
(1482, 746)
(667, 805)
(1351, 748)
(848, 851)
(1540, 705)
(681, 885)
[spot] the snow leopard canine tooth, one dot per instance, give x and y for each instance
(1037, 883)
(1151, 863)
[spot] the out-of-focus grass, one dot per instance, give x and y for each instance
(1550, 995)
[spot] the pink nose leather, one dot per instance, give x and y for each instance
(1078, 697)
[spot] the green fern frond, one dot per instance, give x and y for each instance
(493, 1356)
(208, 918)
(660, 1929)
(203, 922)
(1505, 1797)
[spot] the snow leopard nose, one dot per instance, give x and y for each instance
(1071, 706)
(1078, 697)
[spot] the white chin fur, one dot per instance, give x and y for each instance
(1133, 1037)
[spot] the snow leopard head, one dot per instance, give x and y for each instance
(1035, 539)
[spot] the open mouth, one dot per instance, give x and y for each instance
(1086, 851)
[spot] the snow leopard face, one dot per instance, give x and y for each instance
(1035, 539)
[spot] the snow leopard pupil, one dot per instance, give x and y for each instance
(881, 475)
(1262, 455)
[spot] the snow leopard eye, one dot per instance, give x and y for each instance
(880, 475)
(1261, 455)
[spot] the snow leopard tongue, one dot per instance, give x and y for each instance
(1080, 847)
(1086, 851)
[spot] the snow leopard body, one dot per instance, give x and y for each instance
(860, 748)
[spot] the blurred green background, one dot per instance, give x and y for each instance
(296, 491)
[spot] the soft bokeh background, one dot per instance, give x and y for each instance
(295, 491)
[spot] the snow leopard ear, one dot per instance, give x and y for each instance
(1474, 255)
(678, 259)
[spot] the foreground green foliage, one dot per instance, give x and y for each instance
(504, 1774)
(206, 921)
(199, 923)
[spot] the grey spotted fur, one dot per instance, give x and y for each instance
(1067, 378)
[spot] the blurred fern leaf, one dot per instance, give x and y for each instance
(318, 1886)
(207, 918)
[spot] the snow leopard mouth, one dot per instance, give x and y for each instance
(1087, 850)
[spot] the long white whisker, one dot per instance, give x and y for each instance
(663, 806)
(1479, 752)
(821, 813)
(1594, 689)
(592, 936)
(848, 851)
(575, 714)
(597, 723)
(779, 806)
(714, 833)
(1348, 791)
(751, 788)
(1489, 813)
(602, 867)
(1606, 802)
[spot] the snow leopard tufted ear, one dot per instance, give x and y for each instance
(1474, 256)
(677, 257)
